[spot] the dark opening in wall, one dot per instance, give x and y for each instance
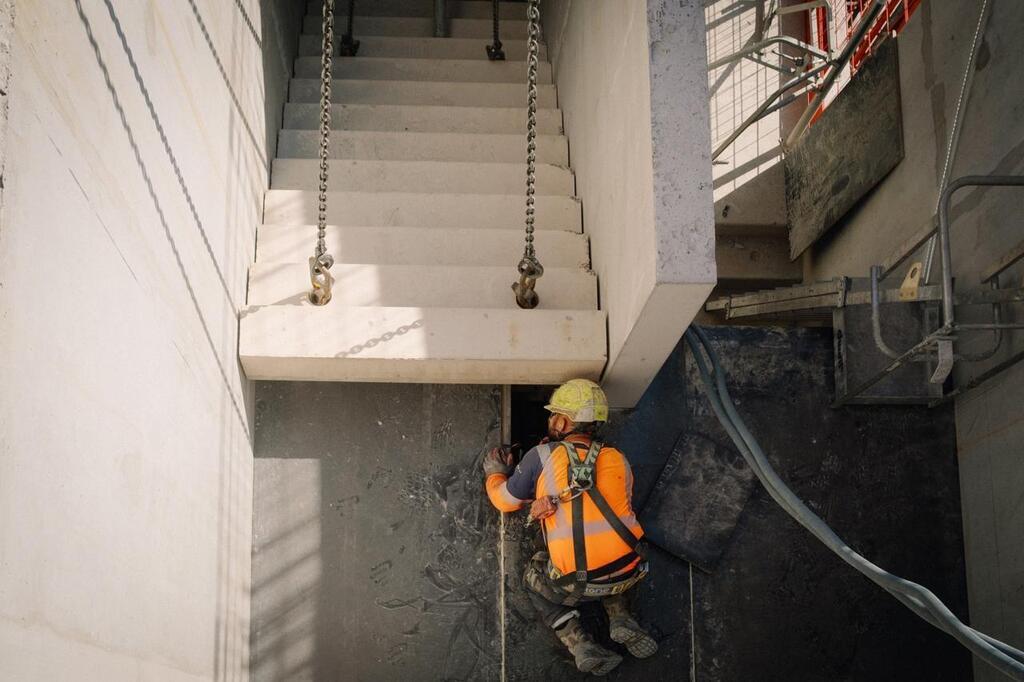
(529, 418)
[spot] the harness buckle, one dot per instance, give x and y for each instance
(582, 477)
(581, 576)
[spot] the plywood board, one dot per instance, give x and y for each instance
(849, 150)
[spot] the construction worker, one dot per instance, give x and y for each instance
(581, 492)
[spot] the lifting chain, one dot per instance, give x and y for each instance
(349, 46)
(320, 262)
(494, 51)
(530, 268)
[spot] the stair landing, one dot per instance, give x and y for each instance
(426, 211)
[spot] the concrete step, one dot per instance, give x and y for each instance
(422, 286)
(429, 70)
(421, 345)
(415, 27)
(422, 119)
(403, 209)
(387, 146)
(451, 177)
(758, 260)
(465, 9)
(426, 46)
(421, 246)
(306, 90)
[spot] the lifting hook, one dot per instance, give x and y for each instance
(530, 270)
(321, 279)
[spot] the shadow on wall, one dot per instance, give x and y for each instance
(256, 146)
(230, 656)
(282, 25)
(157, 205)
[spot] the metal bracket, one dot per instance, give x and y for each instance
(944, 348)
(911, 283)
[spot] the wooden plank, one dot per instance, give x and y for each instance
(786, 294)
(854, 145)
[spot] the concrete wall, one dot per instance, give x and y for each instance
(990, 434)
(135, 168)
(6, 33)
(933, 52)
(282, 24)
(632, 84)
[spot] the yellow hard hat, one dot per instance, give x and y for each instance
(581, 400)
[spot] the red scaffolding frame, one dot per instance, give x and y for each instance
(892, 19)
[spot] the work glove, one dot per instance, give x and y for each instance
(542, 508)
(498, 461)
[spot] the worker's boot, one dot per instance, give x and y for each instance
(590, 656)
(626, 631)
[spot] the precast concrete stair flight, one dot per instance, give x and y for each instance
(375, 28)
(462, 9)
(425, 118)
(422, 69)
(421, 92)
(426, 207)
(442, 177)
(428, 47)
(408, 146)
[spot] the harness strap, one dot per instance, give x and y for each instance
(582, 576)
(603, 571)
(612, 518)
(579, 548)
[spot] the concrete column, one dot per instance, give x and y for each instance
(632, 82)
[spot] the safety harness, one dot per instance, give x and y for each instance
(581, 482)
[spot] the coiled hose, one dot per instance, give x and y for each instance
(917, 598)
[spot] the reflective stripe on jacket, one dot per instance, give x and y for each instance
(544, 471)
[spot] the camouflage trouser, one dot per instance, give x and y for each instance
(554, 604)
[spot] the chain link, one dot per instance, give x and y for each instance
(530, 268)
(494, 51)
(349, 45)
(533, 13)
(321, 262)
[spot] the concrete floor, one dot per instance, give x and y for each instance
(376, 551)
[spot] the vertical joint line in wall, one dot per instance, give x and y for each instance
(693, 634)
(506, 437)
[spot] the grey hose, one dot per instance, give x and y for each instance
(918, 599)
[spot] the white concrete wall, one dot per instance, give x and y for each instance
(632, 83)
(135, 171)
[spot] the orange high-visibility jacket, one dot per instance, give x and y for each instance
(544, 471)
